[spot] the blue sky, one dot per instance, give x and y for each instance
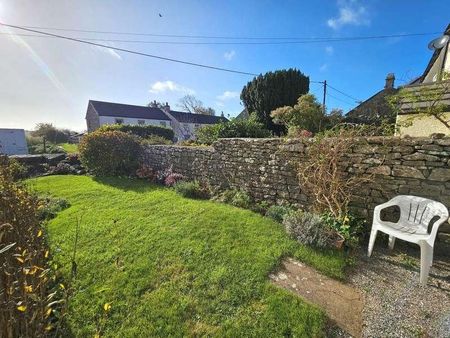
(49, 80)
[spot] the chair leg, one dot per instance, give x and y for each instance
(426, 259)
(391, 242)
(373, 237)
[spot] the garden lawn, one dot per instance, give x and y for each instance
(171, 266)
(70, 148)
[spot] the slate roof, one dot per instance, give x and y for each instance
(183, 117)
(128, 110)
(374, 109)
(431, 62)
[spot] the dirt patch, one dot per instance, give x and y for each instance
(342, 303)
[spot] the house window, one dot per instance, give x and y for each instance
(119, 121)
(141, 122)
(162, 123)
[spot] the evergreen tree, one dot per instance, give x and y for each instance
(273, 90)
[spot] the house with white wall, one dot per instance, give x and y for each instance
(13, 142)
(184, 125)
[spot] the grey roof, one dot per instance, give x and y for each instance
(431, 62)
(128, 110)
(243, 115)
(152, 113)
(196, 118)
(374, 109)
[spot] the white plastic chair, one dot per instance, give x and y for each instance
(415, 216)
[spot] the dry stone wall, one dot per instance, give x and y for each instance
(267, 168)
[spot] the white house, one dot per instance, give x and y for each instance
(183, 124)
(13, 142)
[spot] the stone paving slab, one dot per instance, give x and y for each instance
(342, 303)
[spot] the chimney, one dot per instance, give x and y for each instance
(153, 104)
(166, 108)
(390, 78)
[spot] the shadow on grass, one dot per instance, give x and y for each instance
(128, 184)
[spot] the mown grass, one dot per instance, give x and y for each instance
(171, 266)
(70, 148)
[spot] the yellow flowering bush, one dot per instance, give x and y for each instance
(24, 273)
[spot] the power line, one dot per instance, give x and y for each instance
(385, 36)
(131, 51)
(161, 57)
(297, 42)
(337, 98)
(345, 94)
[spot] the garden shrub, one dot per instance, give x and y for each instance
(172, 179)
(49, 207)
(321, 175)
(62, 168)
(278, 212)
(309, 229)
(235, 197)
(112, 153)
(234, 128)
(191, 189)
(14, 168)
(146, 131)
(349, 227)
(27, 310)
(146, 172)
(156, 140)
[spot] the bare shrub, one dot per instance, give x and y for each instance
(322, 173)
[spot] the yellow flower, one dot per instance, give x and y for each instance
(28, 288)
(107, 307)
(39, 234)
(22, 308)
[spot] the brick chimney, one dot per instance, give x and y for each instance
(390, 78)
(166, 108)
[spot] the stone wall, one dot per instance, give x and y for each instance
(266, 168)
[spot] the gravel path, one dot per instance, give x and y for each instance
(396, 304)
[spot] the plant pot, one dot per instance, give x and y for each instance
(338, 241)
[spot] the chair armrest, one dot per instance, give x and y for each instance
(442, 219)
(378, 208)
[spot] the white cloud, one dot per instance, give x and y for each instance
(350, 13)
(228, 95)
(329, 50)
(113, 53)
(108, 51)
(324, 67)
(170, 86)
(229, 55)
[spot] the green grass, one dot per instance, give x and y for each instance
(70, 148)
(171, 266)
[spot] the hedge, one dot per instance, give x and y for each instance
(142, 131)
(110, 153)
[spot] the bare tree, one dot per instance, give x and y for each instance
(191, 104)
